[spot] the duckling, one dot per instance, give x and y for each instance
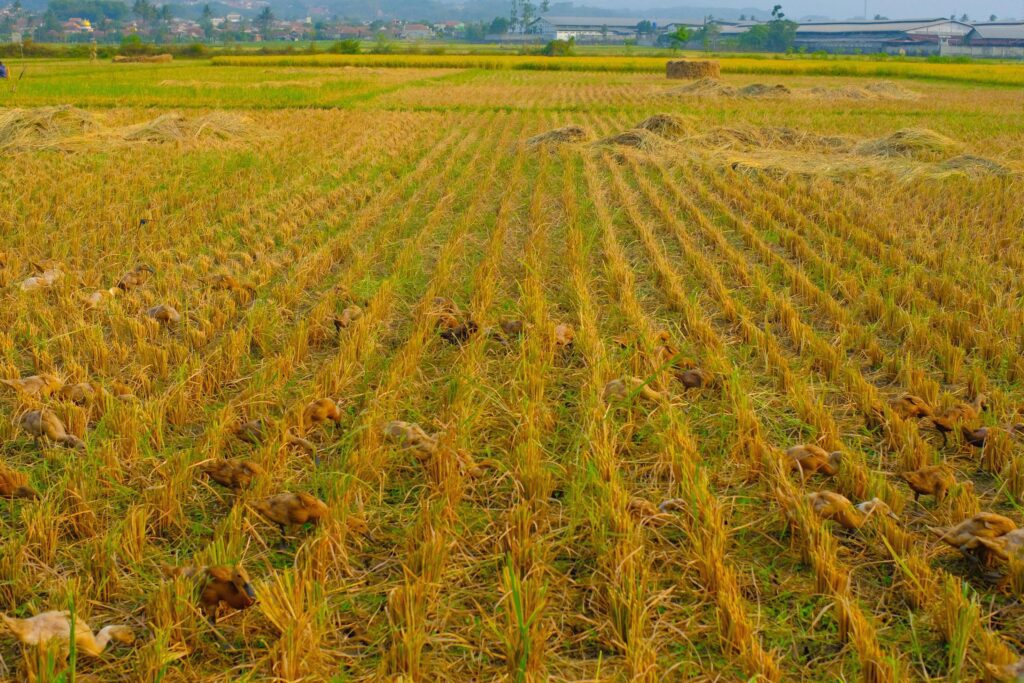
(410, 435)
(950, 419)
(1006, 546)
(347, 317)
(876, 506)
(512, 327)
(622, 389)
(250, 431)
(45, 424)
(673, 505)
(48, 626)
(1014, 673)
(44, 280)
(232, 474)
(836, 507)
(15, 485)
(564, 335)
(229, 585)
(82, 393)
(974, 437)
(288, 510)
(443, 308)
(134, 278)
(644, 512)
(929, 481)
(696, 378)
(164, 314)
(667, 353)
(99, 296)
(910, 406)
(321, 410)
(229, 283)
(808, 459)
(36, 386)
(460, 333)
(964, 536)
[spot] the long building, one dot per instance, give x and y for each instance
(604, 29)
(907, 36)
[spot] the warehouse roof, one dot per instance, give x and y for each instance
(1005, 30)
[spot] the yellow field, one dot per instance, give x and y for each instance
(816, 254)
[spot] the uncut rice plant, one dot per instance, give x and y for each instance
(320, 373)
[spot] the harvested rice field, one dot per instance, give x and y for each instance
(360, 373)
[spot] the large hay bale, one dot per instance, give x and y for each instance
(692, 69)
(560, 136)
(145, 59)
(665, 125)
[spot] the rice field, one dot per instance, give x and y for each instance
(570, 325)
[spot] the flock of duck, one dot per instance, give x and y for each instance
(979, 537)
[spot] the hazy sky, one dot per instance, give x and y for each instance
(977, 9)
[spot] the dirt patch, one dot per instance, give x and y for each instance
(567, 135)
(69, 129)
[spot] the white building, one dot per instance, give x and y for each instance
(602, 29)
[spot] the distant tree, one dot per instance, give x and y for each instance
(743, 17)
(376, 25)
(474, 32)
(165, 13)
(775, 36)
(645, 28)
(264, 20)
(681, 36)
(545, 6)
(513, 17)
(964, 17)
(993, 17)
(709, 35)
(879, 17)
(777, 13)
(345, 47)
(604, 32)
(498, 26)
(529, 13)
(559, 48)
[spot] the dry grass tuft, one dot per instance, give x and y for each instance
(69, 129)
(560, 136)
(665, 125)
(917, 143)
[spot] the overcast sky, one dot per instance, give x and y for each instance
(977, 9)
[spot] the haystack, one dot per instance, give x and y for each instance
(764, 90)
(643, 140)
(560, 136)
(705, 87)
(919, 143)
(692, 69)
(665, 125)
(43, 128)
(173, 127)
(146, 59)
(968, 164)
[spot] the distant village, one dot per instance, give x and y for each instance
(111, 21)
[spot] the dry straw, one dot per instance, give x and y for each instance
(682, 68)
(66, 129)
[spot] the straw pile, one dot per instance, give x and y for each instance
(691, 69)
(41, 128)
(970, 165)
(709, 87)
(641, 139)
(560, 136)
(69, 129)
(665, 125)
(147, 59)
(917, 143)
